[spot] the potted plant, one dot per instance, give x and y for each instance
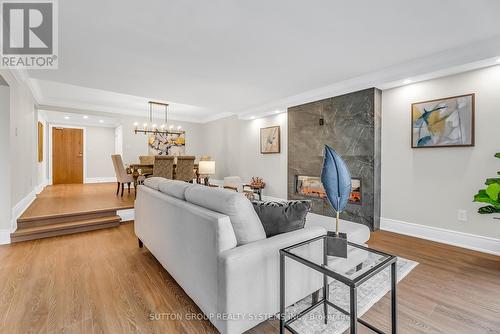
(490, 195)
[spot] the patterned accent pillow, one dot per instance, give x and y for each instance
(282, 217)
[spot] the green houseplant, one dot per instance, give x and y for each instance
(490, 195)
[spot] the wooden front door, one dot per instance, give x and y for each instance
(67, 155)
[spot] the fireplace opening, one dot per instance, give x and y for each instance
(311, 186)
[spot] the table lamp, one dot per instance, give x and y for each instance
(206, 168)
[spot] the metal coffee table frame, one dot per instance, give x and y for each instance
(352, 283)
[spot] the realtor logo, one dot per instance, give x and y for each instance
(29, 34)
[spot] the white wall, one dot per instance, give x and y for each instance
(17, 150)
(119, 140)
(5, 200)
(42, 172)
(429, 186)
(135, 145)
(99, 146)
(235, 146)
(22, 140)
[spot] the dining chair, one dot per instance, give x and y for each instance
(147, 160)
(163, 166)
(121, 174)
(184, 171)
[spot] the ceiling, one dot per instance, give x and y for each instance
(214, 58)
(56, 94)
(76, 119)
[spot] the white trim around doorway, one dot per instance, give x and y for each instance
(49, 167)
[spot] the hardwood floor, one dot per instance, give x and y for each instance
(64, 199)
(452, 290)
(71, 208)
(101, 282)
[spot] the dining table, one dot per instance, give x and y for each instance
(136, 169)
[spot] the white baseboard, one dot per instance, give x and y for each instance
(126, 215)
(5, 237)
(40, 187)
(17, 211)
(455, 238)
(100, 179)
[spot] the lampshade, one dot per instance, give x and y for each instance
(206, 167)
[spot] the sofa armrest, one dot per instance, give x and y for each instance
(249, 279)
(268, 246)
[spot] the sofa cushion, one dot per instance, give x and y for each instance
(282, 217)
(175, 188)
(154, 182)
(246, 224)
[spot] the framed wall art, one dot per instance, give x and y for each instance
(270, 140)
(446, 122)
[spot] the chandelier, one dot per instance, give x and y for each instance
(152, 127)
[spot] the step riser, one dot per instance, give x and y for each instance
(64, 219)
(65, 225)
(55, 233)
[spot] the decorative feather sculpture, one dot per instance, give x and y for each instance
(336, 180)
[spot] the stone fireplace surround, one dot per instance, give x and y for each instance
(350, 123)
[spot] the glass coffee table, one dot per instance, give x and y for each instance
(361, 264)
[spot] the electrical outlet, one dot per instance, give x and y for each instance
(462, 215)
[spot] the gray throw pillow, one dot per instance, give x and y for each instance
(282, 217)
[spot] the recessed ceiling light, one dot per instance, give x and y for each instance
(136, 123)
(252, 117)
(179, 127)
(66, 117)
(171, 127)
(85, 117)
(498, 60)
(101, 121)
(407, 81)
(277, 111)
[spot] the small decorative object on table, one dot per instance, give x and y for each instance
(337, 182)
(256, 184)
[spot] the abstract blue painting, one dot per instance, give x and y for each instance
(443, 122)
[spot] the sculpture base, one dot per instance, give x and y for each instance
(336, 244)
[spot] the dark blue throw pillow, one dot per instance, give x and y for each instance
(282, 217)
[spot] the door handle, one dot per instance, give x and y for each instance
(80, 154)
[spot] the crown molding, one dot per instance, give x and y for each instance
(18, 76)
(83, 108)
(452, 61)
(216, 117)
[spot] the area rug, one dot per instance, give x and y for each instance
(369, 293)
